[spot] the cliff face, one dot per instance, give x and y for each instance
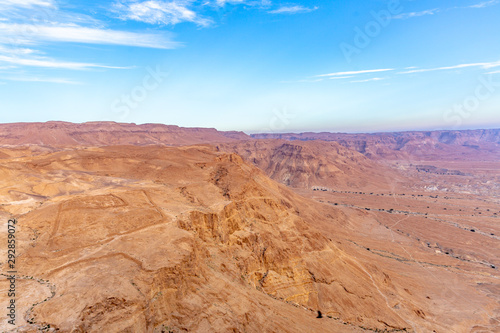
(109, 133)
(303, 164)
(397, 145)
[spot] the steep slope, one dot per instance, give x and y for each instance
(315, 164)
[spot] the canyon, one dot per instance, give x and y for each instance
(156, 228)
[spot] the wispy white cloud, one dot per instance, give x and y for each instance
(292, 10)
(434, 11)
(221, 3)
(32, 34)
(304, 80)
(406, 70)
(160, 12)
(340, 77)
(485, 4)
(50, 63)
(320, 79)
(368, 80)
(27, 3)
(16, 51)
(250, 3)
(42, 79)
(357, 72)
(405, 16)
(485, 65)
(20, 39)
(28, 25)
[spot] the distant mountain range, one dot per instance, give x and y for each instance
(58, 133)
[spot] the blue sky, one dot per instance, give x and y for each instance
(253, 65)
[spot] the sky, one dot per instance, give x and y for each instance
(253, 65)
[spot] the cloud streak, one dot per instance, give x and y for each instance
(31, 34)
(434, 11)
(355, 72)
(484, 65)
(16, 51)
(160, 12)
(42, 79)
(405, 16)
(224, 2)
(50, 63)
(412, 70)
(27, 25)
(368, 80)
(484, 4)
(292, 10)
(27, 3)
(340, 77)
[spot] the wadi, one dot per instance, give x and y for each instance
(155, 228)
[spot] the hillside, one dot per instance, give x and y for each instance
(250, 235)
(308, 164)
(134, 238)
